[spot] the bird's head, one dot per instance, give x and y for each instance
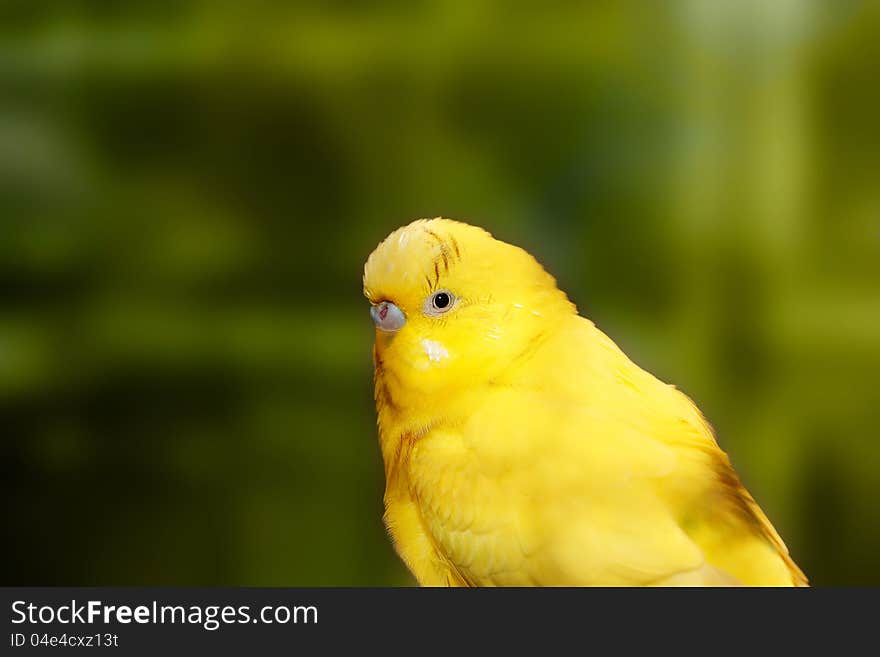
(454, 308)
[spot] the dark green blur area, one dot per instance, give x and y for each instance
(188, 191)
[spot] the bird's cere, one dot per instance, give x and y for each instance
(434, 350)
(387, 317)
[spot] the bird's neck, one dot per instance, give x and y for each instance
(406, 418)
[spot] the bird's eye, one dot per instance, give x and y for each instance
(439, 302)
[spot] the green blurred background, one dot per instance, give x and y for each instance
(188, 191)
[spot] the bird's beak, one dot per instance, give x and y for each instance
(387, 317)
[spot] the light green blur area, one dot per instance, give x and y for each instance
(189, 190)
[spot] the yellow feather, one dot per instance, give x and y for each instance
(522, 447)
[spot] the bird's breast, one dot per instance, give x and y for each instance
(470, 517)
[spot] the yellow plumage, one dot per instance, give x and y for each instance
(522, 447)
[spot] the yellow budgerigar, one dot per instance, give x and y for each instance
(522, 447)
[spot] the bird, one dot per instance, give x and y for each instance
(522, 447)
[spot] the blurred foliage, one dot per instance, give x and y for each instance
(188, 191)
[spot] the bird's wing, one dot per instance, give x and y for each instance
(702, 491)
